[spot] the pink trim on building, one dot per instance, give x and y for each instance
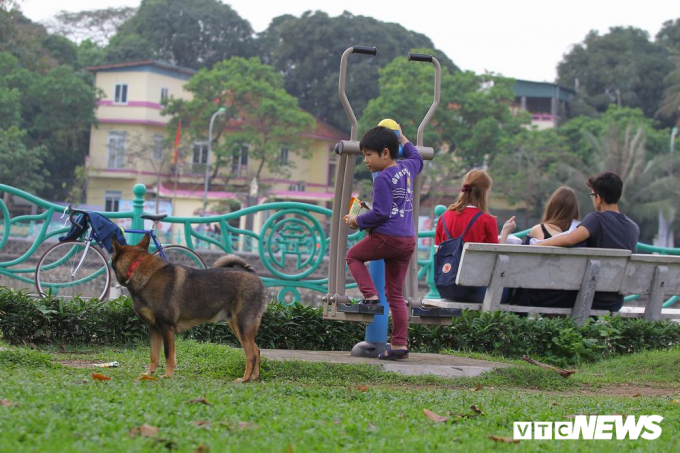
(126, 121)
(169, 192)
(151, 105)
(301, 195)
(542, 117)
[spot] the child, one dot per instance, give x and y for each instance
(472, 200)
(391, 233)
(604, 228)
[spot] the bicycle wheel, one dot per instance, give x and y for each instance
(178, 254)
(58, 270)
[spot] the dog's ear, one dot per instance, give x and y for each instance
(116, 246)
(144, 243)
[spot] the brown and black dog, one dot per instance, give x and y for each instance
(171, 298)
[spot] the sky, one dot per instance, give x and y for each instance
(522, 39)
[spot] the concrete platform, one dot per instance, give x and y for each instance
(416, 364)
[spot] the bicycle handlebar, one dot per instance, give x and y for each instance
(72, 213)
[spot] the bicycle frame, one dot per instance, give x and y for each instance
(156, 243)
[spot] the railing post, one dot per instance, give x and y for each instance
(439, 211)
(137, 210)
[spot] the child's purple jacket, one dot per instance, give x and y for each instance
(392, 211)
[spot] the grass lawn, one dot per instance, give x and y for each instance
(297, 407)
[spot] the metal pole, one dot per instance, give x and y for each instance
(207, 158)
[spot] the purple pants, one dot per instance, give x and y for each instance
(397, 252)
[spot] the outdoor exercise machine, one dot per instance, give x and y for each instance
(336, 304)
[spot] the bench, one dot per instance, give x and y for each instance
(587, 270)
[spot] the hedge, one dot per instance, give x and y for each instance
(560, 341)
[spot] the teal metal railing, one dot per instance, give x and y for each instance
(291, 242)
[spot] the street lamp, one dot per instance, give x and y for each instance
(207, 158)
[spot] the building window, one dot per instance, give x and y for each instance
(299, 187)
(112, 200)
(121, 96)
(158, 146)
(239, 163)
(332, 169)
(200, 157)
(284, 156)
(164, 94)
(116, 149)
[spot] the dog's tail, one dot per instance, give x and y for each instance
(233, 261)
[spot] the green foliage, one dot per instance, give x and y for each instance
(530, 167)
(22, 167)
(559, 340)
(307, 50)
(622, 67)
(259, 112)
(194, 34)
(669, 36)
(626, 142)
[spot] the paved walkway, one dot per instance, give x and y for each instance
(417, 364)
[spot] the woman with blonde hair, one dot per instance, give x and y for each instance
(469, 217)
(561, 216)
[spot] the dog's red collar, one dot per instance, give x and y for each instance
(132, 268)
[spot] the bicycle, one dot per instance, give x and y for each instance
(80, 267)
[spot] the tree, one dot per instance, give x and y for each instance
(625, 142)
(670, 105)
(56, 111)
(307, 51)
(669, 36)
(22, 167)
(473, 117)
(622, 67)
(259, 113)
(98, 25)
(530, 167)
(195, 34)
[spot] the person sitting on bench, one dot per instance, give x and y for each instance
(561, 217)
(469, 217)
(604, 228)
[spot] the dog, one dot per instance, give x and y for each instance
(171, 298)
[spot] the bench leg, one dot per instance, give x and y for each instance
(492, 299)
(584, 300)
(655, 304)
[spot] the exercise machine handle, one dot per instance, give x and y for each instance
(419, 57)
(366, 50)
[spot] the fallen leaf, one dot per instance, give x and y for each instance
(477, 388)
(288, 449)
(62, 347)
(199, 401)
(675, 402)
(435, 417)
(202, 449)
(146, 377)
(477, 410)
(6, 403)
(637, 394)
(202, 423)
(505, 440)
(247, 425)
(362, 388)
(144, 431)
(371, 426)
(100, 377)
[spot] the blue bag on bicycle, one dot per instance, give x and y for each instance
(447, 257)
(102, 227)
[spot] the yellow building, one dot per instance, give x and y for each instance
(129, 146)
